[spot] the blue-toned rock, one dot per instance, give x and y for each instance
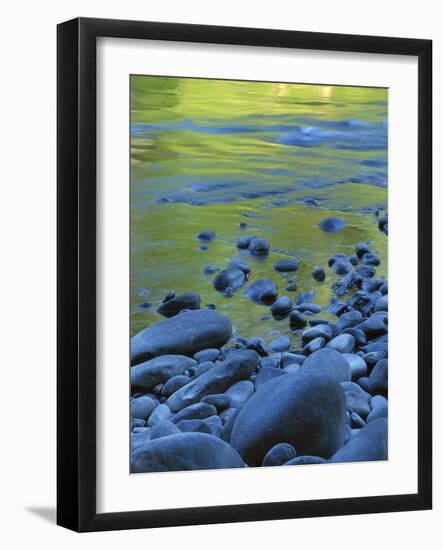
(220, 401)
(357, 364)
(290, 358)
(189, 300)
(306, 410)
(332, 224)
(280, 344)
(159, 370)
(308, 306)
(344, 343)
(296, 320)
(379, 408)
(159, 414)
(175, 383)
(370, 443)
(265, 374)
(235, 263)
(258, 247)
(184, 451)
(240, 392)
(183, 334)
(306, 459)
(342, 267)
(378, 379)
(142, 407)
(244, 242)
(206, 236)
(319, 274)
(330, 362)
(163, 429)
(349, 319)
(194, 425)
(262, 291)
(370, 259)
(357, 400)
(229, 278)
(279, 454)
(314, 345)
(218, 379)
(286, 265)
(318, 331)
(282, 307)
(197, 411)
(204, 355)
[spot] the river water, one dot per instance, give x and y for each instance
(210, 154)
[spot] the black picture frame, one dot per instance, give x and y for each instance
(76, 295)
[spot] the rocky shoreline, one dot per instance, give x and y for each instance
(203, 397)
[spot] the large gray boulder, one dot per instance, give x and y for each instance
(306, 410)
(184, 451)
(183, 334)
(216, 380)
(370, 443)
(156, 371)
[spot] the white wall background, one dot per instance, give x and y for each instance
(27, 289)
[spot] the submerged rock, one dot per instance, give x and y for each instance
(183, 334)
(173, 306)
(206, 236)
(332, 224)
(306, 410)
(184, 451)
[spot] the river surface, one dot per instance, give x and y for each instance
(210, 154)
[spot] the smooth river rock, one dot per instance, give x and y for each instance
(183, 334)
(370, 443)
(262, 291)
(158, 370)
(239, 367)
(306, 410)
(184, 451)
(330, 362)
(189, 300)
(229, 278)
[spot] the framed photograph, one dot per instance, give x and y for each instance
(244, 248)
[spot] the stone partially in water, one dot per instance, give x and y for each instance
(216, 380)
(184, 451)
(262, 291)
(286, 265)
(258, 247)
(183, 334)
(206, 236)
(306, 410)
(281, 307)
(229, 278)
(332, 224)
(173, 306)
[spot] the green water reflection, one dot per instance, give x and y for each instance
(211, 154)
